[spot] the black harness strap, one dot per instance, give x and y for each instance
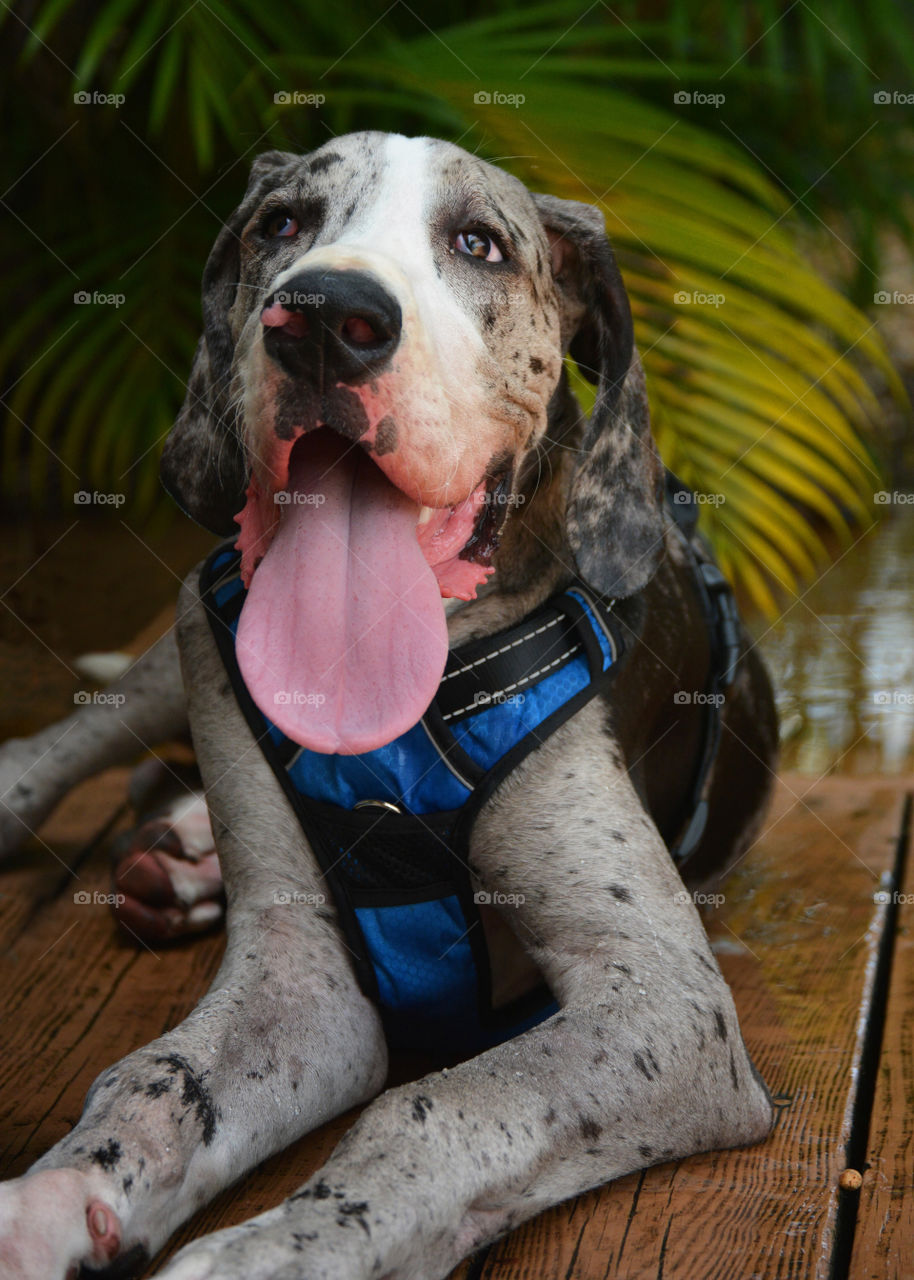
(722, 619)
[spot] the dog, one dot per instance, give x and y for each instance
(381, 397)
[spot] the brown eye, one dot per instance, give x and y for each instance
(280, 223)
(478, 244)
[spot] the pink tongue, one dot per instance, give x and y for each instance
(342, 639)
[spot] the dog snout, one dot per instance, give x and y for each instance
(332, 326)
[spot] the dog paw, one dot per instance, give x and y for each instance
(167, 879)
(52, 1223)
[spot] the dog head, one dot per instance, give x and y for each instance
(385, 322)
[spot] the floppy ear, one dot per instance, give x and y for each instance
(614, 516)
(203, 466)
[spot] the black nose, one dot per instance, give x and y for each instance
(332, 326)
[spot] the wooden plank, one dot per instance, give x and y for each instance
(884, 1233)
(796, 939)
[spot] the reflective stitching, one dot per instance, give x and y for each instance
(504, 649)
(493, 697)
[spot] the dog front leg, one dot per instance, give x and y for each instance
(643, 1063)
(143, 708)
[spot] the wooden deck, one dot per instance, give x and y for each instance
(823, 975)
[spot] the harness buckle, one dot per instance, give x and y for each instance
(378, 804)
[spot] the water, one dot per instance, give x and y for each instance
(842, 659)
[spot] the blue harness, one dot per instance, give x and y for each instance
(391, 828)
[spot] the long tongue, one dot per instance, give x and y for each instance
(342, 639)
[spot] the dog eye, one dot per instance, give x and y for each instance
(280, 223)
(478, 244)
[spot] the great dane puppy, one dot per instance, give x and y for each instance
(391, 315)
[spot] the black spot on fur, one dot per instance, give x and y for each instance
(194, 1094)
(323, 162)
(156, 1088)
(421, 1107)
(620, 893)
(108, 1156)
(536, 364)
(590, 1130)
(721, 1025)
(733, 1074)
(645, 1152)
(642, 1066)
(354, 1212)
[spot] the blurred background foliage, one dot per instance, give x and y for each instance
(772, 390)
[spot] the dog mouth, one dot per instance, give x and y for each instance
(342, 639)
